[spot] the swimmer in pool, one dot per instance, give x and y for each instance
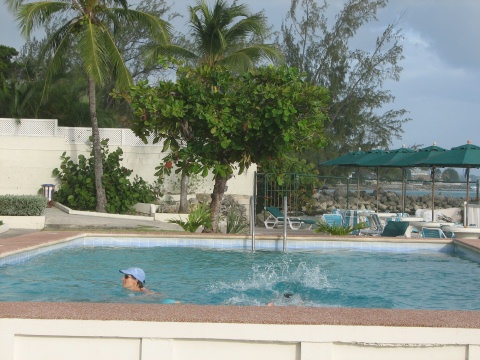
(133, 279)
(287, 295)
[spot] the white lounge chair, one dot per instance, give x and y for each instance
(275, 219)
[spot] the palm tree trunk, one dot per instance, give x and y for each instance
(183, 209)
(97, 149)
(217, 195)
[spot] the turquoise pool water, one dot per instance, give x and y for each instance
(332, 278)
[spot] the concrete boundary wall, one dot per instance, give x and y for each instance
(27, 162)
(61, 334)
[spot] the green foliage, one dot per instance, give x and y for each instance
(77, 183)
(289, 163)
(7, 85)
(236, 222)
(235, 215)
(6, 64)
(200, 216)
(22, 205)
(450, 175)
(231, 119)
(323, 227)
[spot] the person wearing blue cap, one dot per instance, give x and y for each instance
(133, 279)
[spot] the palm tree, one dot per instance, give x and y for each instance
(224, 35)
(89, 29)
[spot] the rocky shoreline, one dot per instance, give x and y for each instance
(388, 201)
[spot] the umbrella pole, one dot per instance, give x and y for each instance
(433, 193)
(403, 191)
(377, 188)
(466, 201)
(358, 188)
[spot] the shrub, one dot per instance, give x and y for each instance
(200, 216)
(235, 215)
(236, 223)
(77, 183)
(323, 227)
(22, 205)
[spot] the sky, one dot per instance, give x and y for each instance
(440, 82)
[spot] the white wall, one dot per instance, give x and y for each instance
(26, 162)
(27, 339)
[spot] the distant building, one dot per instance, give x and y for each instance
(419, 174)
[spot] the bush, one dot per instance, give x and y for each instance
(323, 227)
(236, 222)
(77, 183)
(22, 205)
(200, 216)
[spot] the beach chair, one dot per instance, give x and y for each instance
(333, 219)
(276, 219)
(376, 226)
(395, 228)
(435, 233)
(351, 219)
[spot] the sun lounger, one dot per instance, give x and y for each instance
(376, 226)
(435, 233)
(395, 228)
(333, 219)
(276, 219)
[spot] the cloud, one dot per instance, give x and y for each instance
(452, 27)
(9, 33)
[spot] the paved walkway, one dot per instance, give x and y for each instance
(56, 220)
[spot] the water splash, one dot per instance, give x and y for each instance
(271, 283)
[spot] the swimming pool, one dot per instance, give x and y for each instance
(336, 276)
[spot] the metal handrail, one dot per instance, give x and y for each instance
(285, 219)
(252, 221)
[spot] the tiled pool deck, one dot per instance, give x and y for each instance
(26, 245)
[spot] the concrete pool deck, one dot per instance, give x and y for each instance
(184, 331)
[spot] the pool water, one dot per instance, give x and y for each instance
(334, 278)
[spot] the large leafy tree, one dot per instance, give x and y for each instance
(88, 30)
(232, 119)
(225, 35)
(325, 51)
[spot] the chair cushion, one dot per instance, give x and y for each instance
(395, 228)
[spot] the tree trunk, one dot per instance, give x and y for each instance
(183, 195)
(97, 149)
(217, 195)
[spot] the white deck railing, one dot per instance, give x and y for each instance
(72, 135)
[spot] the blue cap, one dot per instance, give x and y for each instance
(137, 273)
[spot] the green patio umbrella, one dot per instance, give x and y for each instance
(412, 159)
(349, 159)
(395, 155)
(465, 156)
(380, 158)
